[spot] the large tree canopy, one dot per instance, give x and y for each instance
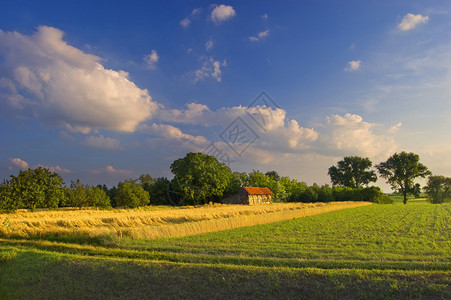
(200, 178)
(352, 172)
(401, 170)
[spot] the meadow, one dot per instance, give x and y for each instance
(376, 252)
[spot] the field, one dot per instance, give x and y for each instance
(156, 221)
(377, 252)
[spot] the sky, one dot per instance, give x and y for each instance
(104, 91)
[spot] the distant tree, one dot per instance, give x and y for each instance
(97, 197)
(131, 194)
(7, 203)
(416, 190)
(293, 188)
(352, 172)
(200, 178)
(145, 180)
(438, 189)
(76, 195)
(401, 170)
(234, 185)
(159, 190)
(273, 175)
(37, 188)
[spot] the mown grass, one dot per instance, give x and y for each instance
(377, 252)
(153, 222)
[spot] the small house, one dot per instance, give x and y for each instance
(250, 195)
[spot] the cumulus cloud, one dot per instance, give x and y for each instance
(169, 132)
(211, 68)
(410, 21)
(66, 87)
(260, 36)
(151, 59)
(19, 163)
(353, 65)
(350, 135)
(102, 142)
(222, 13)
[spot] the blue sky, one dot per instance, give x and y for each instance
(109, 90)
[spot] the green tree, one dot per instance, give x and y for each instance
(438, 189)
(200, 178)
(352, 172)
(76, 195)
(131, 194)
(7, 203)
(273, 175)
(401, 170)
(97, 197)
(37, 188)
(158, 191)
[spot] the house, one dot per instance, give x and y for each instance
(250, 195)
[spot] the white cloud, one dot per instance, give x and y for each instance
(353, 65)
(395, 128)
(350, 135)
(111, 171)
(209, 44)
(260, 36)
(151, 59)
(17, 162)
(169, 132)
(210, 68)
(66, 87)
(56, 169)
(410, 21)
(185, 23)
(222, 13)
(102, 142)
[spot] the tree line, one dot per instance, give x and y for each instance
(200, 178)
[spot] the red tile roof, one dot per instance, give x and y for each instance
(257, 190)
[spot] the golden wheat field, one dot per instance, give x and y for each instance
(156, 223)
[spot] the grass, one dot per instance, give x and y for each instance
(155, 222)
(377, 252)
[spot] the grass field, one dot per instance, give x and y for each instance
(377, 252)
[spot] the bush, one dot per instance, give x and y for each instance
(131, 194)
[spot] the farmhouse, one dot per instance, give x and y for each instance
(250, 195)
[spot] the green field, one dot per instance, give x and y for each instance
(377, 251)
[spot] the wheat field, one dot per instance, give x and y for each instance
(153, 222)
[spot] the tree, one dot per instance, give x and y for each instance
(131, 194)
(438, 189)
(352, 172)
(200, 178)
(37, 188)
(273, 175)
(97, 197)
(158, 191)
(401, 170)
